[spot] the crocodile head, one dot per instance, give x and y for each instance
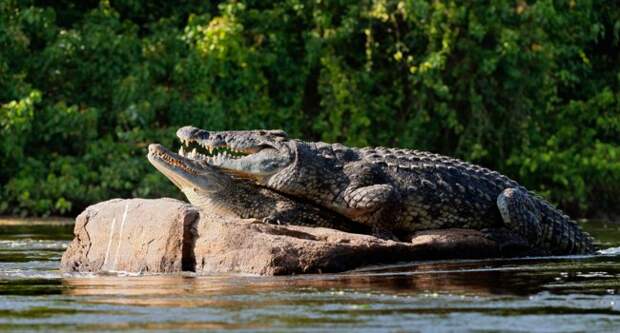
(255, 154)
(196, 179)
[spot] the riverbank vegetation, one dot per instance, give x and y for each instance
(530, 88)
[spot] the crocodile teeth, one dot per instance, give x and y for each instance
(181, 151)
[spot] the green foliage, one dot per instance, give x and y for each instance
(530, 88)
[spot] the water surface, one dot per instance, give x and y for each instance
(567, 294)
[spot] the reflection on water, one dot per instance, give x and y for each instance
(535, 294)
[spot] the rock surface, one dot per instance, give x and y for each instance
(250, 246)
(167, 235)
(134, 235)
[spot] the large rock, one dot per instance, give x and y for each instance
(135, 235)
(167, 235)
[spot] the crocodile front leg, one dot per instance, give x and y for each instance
(366, 192)
(368, 200)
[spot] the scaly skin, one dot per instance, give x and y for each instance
(397, 191)
(210, 190)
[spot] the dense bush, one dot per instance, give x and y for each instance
(530, 88)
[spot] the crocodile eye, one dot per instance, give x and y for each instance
(279, 133)
(273, 133)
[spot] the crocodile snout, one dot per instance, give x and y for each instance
(191, 132)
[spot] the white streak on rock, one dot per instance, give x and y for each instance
(120, 235)
(107, 252)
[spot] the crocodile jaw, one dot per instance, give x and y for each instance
(258, 166)
(186, 174)
(257, 154)
(204, 186)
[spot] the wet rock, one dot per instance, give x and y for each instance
(167, 235)
(134, 235)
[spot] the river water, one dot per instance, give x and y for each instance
(560, 294)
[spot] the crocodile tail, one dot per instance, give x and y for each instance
(563, 235)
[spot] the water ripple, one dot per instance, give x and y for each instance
(33, 244)
(612, 251)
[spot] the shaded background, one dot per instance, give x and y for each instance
(529, 88)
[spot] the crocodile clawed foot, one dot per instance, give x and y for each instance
(384, 234)
(271, 220)
(508, 242)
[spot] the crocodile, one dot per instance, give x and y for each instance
(210, 190)
(394, 191)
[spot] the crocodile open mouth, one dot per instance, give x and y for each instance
(189, 175)
(210, 154)
(158, 152)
